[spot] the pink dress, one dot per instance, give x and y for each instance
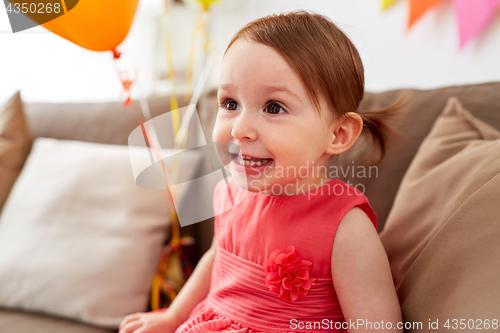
(272, 270)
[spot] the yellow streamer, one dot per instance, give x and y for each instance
(174, 105)
(387, 3)
(192, 61)
(205, 4)
(170, 263)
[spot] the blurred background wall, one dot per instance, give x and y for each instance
(46, 67)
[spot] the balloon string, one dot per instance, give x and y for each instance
(176, 241)
(125, 79)
(159, 285)
(151, 144)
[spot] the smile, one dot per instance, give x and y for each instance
(250, 161)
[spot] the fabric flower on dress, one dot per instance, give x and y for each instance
(287, 274)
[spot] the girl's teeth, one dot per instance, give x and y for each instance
(245, 160)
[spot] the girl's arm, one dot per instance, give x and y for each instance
(362, 277)
(192, 293)
(196, 287)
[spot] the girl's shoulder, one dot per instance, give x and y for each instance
(348, 197)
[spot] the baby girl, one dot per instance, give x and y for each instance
(299, 251)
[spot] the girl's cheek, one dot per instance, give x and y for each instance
(219, 133)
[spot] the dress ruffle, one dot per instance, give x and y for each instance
(203, 319)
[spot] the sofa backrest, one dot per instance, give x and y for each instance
(112, 123)
(483, 100)
(424, 106)
(108, 123)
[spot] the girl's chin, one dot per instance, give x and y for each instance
(252, 185)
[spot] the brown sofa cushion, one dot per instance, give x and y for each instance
(442, 235)
(15, 144)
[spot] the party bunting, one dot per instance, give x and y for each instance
(387, 3)
(419, 7)
(473, 16)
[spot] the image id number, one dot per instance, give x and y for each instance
(38, 8)
(478, 324)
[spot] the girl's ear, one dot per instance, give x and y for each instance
(346, 132)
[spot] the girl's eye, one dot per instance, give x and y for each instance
(230, 105)
(271, 107)
(274, 108)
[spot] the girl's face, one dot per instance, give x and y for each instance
(264, 108)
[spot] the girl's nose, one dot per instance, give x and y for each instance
(244, 126)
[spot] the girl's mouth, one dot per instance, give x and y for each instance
(249, 165)
(250, 161)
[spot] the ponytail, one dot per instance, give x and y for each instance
(379, 129)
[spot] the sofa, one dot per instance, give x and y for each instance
(434, 194)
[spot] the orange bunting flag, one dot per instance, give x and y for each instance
(387, 3)
(473, 16)
(418, 8)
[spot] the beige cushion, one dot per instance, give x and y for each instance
(78, 237)
(442, 234)
(15, 144)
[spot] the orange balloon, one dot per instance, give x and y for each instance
(97, 25)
